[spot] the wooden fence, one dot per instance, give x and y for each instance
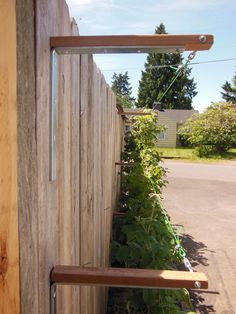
(67, 221)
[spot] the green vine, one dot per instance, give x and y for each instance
(144, 236)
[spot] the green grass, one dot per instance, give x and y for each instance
(189, 154)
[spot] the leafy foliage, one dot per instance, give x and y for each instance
(229, 93)
(213, 130)
(155, 81)
(144, 237)
(122, 89)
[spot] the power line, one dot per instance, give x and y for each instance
(211, 61)
(172, 65)
(191, 63)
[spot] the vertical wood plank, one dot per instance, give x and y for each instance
(48, 23)
(75, 165)
(27, 157)
(96, 209)
(66, 250)
(90, 174)
(9, 242)
(86, 188)
(83, 173)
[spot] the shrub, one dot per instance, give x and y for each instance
(213, 131)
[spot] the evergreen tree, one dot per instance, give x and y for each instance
(121, 87)
(155, 81)
(229, 93)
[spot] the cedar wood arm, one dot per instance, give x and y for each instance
(131, 43)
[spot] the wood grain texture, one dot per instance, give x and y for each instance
(9, 242)
(66, 215)
(75, 165)
(27, 157)
(48, 204)
(86, 247)
(189, 42)
(128, 277)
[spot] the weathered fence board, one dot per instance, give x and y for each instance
(9, 250)
(75, 164)
(66, 221)
(27, 157)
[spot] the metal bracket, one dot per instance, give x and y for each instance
(53, 116)
(53, 298)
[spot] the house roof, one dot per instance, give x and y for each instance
(178, 115)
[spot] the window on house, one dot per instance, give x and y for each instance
(162, 135)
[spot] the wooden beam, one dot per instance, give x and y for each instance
(119, 214)
(132, 43)
(135, 113)
(127, 164)
(127, 277)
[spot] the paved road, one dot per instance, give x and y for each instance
(201, 200)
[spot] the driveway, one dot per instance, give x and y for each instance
(201, 200)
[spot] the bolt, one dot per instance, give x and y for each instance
(197, 285)
(202, 39)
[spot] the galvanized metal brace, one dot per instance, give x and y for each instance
(53, 116)
(53, 298)
(53, 293)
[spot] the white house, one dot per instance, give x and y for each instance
(172, 119)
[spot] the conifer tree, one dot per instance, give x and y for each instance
(229, 93)
(155, 81)
(121, 87)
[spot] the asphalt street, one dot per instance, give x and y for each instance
(201, 200)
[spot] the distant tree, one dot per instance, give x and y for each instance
(229, 93)
(123, 90)
(155, 81)
(213, 130)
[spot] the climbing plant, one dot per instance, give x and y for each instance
(143, 237)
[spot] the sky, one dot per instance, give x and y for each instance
(216, 17)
